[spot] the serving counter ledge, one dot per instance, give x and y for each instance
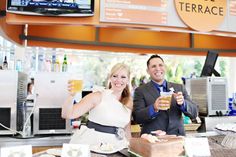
(37, 141)
(42, 143)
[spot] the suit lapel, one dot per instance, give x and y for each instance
(152, 90)
(169, 86)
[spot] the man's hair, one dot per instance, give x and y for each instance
(154, 56)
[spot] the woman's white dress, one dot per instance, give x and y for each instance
(110, 112)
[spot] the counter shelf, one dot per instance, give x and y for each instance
(36, 141)
(43, 143)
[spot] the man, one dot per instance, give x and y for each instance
(150, 108)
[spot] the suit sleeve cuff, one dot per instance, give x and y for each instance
(183, 107)
(152, 112)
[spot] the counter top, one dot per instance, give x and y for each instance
(217, 150)
(55, 140)
(201, 134)
(58, 140)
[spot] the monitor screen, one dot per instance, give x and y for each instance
(52, 7)
(209, 65)
(84, 93)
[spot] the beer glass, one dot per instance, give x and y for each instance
(166, 96)
(76, 82)
(77, 85)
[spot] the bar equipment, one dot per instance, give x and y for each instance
(210, 94)
(50, 94)
(13, 91)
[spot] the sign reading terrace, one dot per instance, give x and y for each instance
(201, 15)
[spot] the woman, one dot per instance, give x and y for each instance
(109, 113)
(30, 88)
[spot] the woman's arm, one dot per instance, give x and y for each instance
(128, 131)
(67, 107)
(128, 126)
(71, 111)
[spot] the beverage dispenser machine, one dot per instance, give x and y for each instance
(51, 92)
(13, 93)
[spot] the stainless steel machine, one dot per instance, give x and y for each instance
(13, 91)
(210, 94)
(51, 92)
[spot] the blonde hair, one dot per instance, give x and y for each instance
(126, 95)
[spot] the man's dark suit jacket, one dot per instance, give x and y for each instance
(171, 120)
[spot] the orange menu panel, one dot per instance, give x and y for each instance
(150, 12)
(139, 2)
(135, 16)
(232, 7)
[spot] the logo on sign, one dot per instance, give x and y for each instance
(202, 15)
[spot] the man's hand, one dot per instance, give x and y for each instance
(161, 103)
(179, 98)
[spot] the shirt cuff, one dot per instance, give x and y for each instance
(183, 107)
(152, 112)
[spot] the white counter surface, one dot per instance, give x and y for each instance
(55, 140)
(58, 140)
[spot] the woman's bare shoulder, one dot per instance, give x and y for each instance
(94, 97)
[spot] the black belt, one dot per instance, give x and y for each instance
(119, 132)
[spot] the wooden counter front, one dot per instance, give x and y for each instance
(43, 148)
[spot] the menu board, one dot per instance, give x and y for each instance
(232, 7)
(231, 18)
(153, 12)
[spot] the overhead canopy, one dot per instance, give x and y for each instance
(95, 34)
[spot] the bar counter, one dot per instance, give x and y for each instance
(37, 141)
(46, 142)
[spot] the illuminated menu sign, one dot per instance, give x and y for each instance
(232, 7)
(152, 12)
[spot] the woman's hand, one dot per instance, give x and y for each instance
(70, 88)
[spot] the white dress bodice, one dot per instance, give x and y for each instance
(110, 111)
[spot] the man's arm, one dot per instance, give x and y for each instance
(141, 110)
(191, 108)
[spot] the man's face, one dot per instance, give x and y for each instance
(156, 69)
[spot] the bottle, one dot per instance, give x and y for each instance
(57, 65)
(64, 64)
(232, 110)
(53, 68)
(5, 64)
(18, 65)
(40, 62)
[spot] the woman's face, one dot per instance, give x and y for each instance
(119, 80)
(30, 88)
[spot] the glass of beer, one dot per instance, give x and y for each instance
(76, 82)
(77, 85)
(166, 96)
